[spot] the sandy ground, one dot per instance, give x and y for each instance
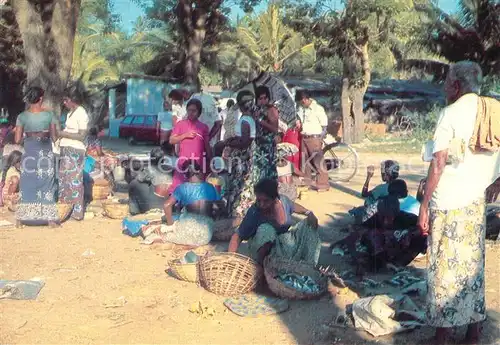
(121, 294)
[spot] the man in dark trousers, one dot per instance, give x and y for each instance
(312, 123)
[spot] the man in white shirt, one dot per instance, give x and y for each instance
(452, 211)
(312, 123)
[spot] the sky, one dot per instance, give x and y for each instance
(129, 11)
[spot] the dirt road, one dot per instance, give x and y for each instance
(118, 291)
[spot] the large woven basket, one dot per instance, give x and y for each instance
(187, 272)
(229, 274)
(275, 266)
(100, 189)
(115, 210)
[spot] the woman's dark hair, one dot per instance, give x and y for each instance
(262, 90)
(93, 131)
(230, 103)
(191, 168)
(301, 94)
(391, 168)
(176, 95)
(75, 94)
(197, 103)
(33, 95)
(156, 155)
(13, 159)
(398, 188)
(388, 206)
(267, 187)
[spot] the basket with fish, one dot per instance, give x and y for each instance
(229, 274)
(294, 280)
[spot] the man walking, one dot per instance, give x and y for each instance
(312, 123)
(452, 211)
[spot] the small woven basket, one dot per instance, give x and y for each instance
(115, 210)
(187, 272)
(229, 274)
(100, 189)
(64, 211)
(275, 266)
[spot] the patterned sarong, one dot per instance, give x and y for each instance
(456, 267)
(299, 243)
(71, 189)
(37, 203)
(191, 230)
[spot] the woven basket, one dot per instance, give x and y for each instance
(186, 272)
(229, 274)
(100, 189)
(274, 266)
(64, 211)
(115, 210)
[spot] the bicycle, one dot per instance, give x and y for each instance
(341, 161)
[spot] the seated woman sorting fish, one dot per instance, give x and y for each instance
(9, 179)
(373, 249)
(195, 225)
(268, 227)
(408, 205)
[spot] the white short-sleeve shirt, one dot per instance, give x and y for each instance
(77, 120)
(464, 182)
(251, 123)
(313, 119)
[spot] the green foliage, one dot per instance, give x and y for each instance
(330, 66)
(420, 126)
(382, 62)
(273, 46)
(209, 77)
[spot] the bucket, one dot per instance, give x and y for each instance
(119, 173)
(89, 164)
(216, 181)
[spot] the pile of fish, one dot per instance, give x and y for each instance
(303, 284)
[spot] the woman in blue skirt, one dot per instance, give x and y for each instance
(37, 199)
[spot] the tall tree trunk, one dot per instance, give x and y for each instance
(192, 57)
(354, 84)
(48, 31)
(192, 21)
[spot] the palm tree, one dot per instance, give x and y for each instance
(472, 36)
(271, 45)
(90, 66)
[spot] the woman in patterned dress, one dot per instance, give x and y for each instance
(238, 152)
(262, 162)
(73, 152)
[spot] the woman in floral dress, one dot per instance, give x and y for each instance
(262, 164)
